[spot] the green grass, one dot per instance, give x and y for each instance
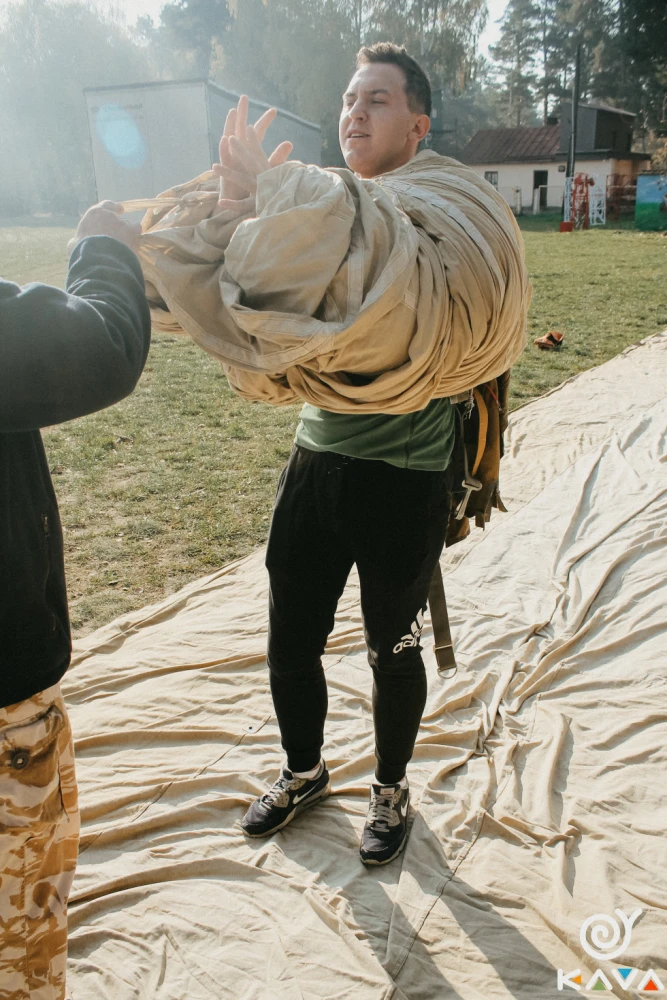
(604, 289)
(29, 253)
(543, 222)
(179, 479)
(549, 222)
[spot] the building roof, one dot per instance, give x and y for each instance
(609, 154)
(606, 107)
(222, 91)
(508, 145)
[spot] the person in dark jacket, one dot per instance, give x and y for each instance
(62, 354)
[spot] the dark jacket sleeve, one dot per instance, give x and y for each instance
(64, 354)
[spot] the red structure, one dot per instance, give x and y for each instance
(580, 203)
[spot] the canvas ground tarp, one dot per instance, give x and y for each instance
(538, 779)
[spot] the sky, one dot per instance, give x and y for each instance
(135, 8)
(132, 9)
(490, 36)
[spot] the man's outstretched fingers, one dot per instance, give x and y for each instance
(225, 154)
(254, 141)
(227, 188)
(249, 154)
(241, 117)
(280, 154)
(230, 129)
(241, 207)
(230, 123)
(237, 177)
(263, 123)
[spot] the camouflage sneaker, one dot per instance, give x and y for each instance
(386, 829)
(285, 799)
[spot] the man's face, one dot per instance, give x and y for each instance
(377, 130)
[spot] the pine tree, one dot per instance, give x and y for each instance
(593, 24)
(548, 86)
(443, 35)
(195, 26)
(642, 28)
(516, 52)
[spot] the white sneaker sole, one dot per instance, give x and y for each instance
(302, 806)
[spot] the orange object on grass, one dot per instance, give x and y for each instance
(549, 341)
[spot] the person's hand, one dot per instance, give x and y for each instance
(228, 190)
(242, 158)
(104, 219)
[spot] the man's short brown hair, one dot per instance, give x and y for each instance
(417, 86)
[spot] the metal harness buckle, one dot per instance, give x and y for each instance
(470, 485)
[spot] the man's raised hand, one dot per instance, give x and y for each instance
(242, 158)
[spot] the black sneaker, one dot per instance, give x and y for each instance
(386, 829)
(285, 799)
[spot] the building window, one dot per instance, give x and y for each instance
(492, 177)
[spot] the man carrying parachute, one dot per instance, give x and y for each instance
(380, 295)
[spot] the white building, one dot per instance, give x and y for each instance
(147, 137)
(528, 165)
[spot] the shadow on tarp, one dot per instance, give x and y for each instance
(405, 956)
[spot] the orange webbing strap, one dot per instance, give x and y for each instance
(483, 429)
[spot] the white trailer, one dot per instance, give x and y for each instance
(147, 137)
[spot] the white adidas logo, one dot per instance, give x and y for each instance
(415, 634)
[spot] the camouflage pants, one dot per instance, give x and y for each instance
(39, 837)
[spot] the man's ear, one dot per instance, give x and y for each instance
(421, 127)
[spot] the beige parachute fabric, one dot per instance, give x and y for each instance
(414, 281)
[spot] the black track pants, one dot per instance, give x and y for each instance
(331, 512)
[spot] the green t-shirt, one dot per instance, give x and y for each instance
(420, 440)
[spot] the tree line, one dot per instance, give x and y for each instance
(624, 58)
(299, 54)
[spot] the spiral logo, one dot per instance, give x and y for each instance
(602, 937)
